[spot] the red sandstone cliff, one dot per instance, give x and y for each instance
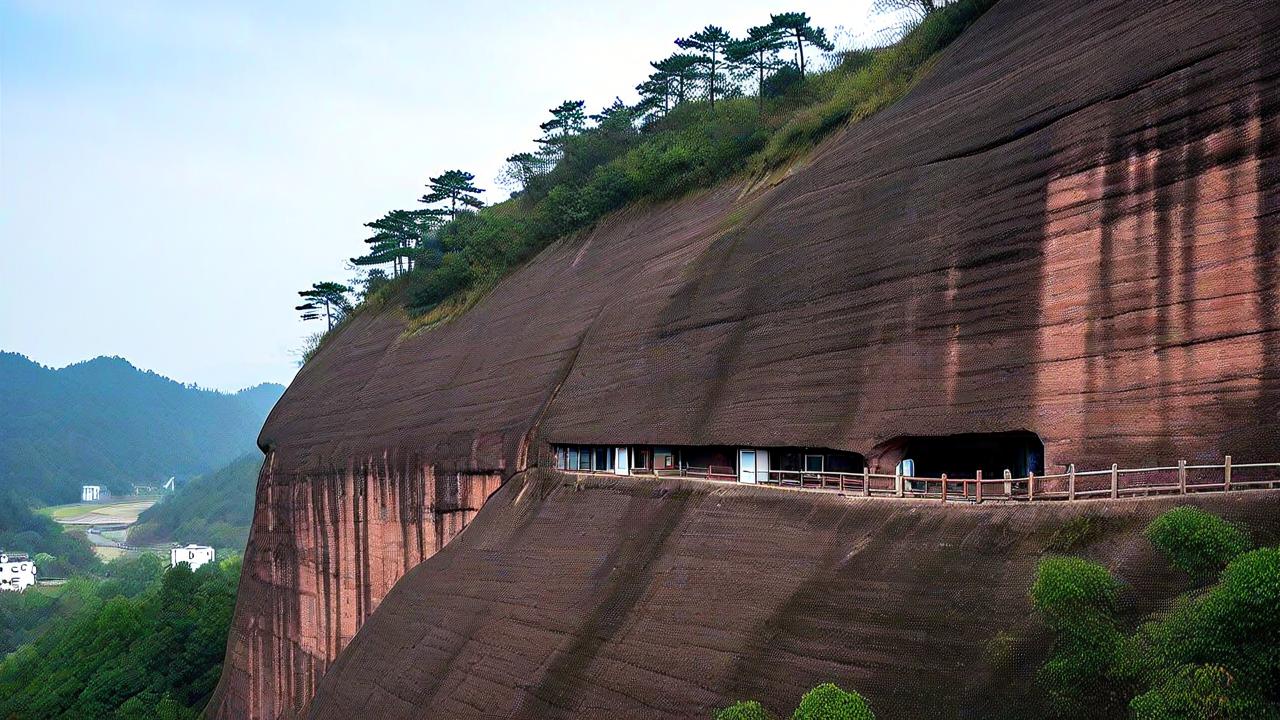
(1070, 227)
(630, 598)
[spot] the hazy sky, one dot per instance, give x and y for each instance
(172, 173)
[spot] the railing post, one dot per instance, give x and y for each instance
(944, 487)
(979, 493)
(1071, 481)
(1031, 486)
(898, 484)
(1182, 477)
(1008, 483)
(866, 481)
(1226, 474)
(1115, 481)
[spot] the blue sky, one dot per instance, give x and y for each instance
(171, 173)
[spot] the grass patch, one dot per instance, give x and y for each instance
(1075, 533)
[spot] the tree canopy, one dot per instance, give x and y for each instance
(757, 53)
(798, 28)
(708, 46)
(455, 186)
(329, 296)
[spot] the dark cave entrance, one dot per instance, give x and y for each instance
(961, 456)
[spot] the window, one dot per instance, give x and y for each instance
(813, 463)
(604, 459)
(584, 459)
(573, 458)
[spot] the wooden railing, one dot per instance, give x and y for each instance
(1116, 482)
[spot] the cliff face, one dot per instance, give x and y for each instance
(1070, 227)
(629, 598)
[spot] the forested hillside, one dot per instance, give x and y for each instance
(214, 509)
(106, 422)
(142, 642)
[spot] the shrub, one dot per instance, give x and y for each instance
(1201, 692)
(828, 702)
(1237, 624)
(453, 275)
(743, 710)
(1076, 598)
(1197, 542)
(1065, 586)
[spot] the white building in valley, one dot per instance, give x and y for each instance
(193, 555)
(90, 493)
(17, 572)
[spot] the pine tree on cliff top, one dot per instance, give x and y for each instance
(709, 45)
(331, 296)
(679, 69)
(758, 52)
(399, 236)
(567, 119)
(456, 187)
(798, 30)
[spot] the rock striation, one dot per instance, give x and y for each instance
(1070, 227)
(630, 598)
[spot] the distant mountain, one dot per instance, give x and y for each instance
(214, 509)
(105, 422)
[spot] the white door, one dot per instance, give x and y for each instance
(747, 466)
(620, 465)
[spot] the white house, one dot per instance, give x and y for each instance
(193, 555)
(90, 493)
(17, 572)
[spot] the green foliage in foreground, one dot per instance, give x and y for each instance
(1216, 654)
(828, 702)
(1197, 542)
(21, 530)
(214, 509)
(25, 616)
(825, 702)
(142, 645)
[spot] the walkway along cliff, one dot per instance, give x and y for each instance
(1067, 234)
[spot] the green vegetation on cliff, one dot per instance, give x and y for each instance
(672, 142)
(825, 702)
(1214, 654)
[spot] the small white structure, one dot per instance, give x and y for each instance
(90, 493)
(193, 555)
(17, 572)
(168, 484)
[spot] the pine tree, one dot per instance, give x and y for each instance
(920, 9)
(454, 186)
(655, 95)
(795, 25)
(567, 119)
(709, 43)
(331, 296)
(679, 69)
(398, 236)
(520, 169)
(758, 52)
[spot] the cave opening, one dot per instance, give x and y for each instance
(960, 456)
